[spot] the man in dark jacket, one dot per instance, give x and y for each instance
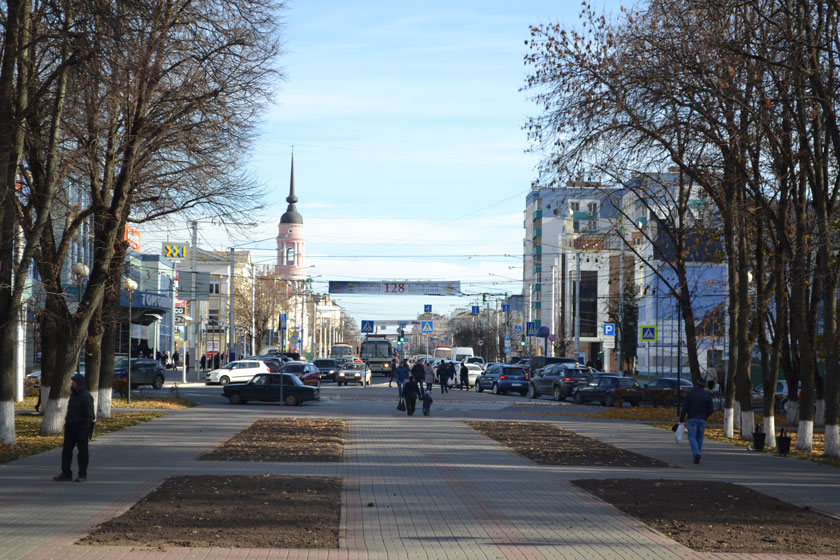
(411, 391)
(78, 429)
(697, 406)
(419, 374)
(465, 376)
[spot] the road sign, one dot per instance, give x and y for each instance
(367, 326)
(543, 331)
(174, 250)
(282, 321)
(609, 329)
(507, 337)
(427, 309)
(505, 308)
(427, 327)
(480, 342)
(517, 329)
(446, 339)
(507, 349)
(402, 323)
(648, 333)
(552, 338)
(532, 328)
(475, 310)
(608, 343)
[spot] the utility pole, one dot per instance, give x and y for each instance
(193, 301)
(577, 306)
(253, 307)
(230, 311)
(620, 329)
(553, 303)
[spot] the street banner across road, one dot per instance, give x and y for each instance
(397, 287)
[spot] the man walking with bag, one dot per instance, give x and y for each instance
(697, 406)
(78, 429)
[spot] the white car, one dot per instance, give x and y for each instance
(473, 371)
(353, 372)
(236, 372)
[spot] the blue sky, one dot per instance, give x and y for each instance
(410, 158)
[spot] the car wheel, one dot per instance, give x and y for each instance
(578, 398)
(157, 382)
(478, 388)
(558, 393)
(236, 398)
(609, 400)
(496, 390)
(532, 392)
(291, 400)
(224, 380)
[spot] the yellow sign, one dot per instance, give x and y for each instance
(175, 250)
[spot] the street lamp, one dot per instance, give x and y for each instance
(80, 272)
(129, 286)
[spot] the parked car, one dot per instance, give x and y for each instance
(514, 360)
(663, 391)
(501, 378)
(538, 362)
(610, 390)
(274, 362)
(144, 371)
(266, 387)
(478, 360)
(557, 380)
(352, 372)
(328, 368)
(306, 371)
(237, 371)
(473, 371)
(781, 396)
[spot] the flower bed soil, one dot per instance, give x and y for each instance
(719, 516)
(547, 444)
(285, 440)
(230, 511)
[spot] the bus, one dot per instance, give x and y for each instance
(377, 352)
(342, 352)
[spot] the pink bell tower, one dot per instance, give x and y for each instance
(291, 241)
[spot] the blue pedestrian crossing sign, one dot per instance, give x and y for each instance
(427, 327)
(427, 309)
(609, 329)
(517, 329)
(505, 308)
(367, 326)
(507, 349)
(532, 328)
(648, 333)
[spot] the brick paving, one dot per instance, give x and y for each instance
(415, 487)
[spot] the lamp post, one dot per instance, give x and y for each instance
(80, 272)
(129, 286)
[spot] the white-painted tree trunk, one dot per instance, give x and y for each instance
(792, 414)
(819, 413)
(805, 436)
(103, 409)
(747, 425)
(832, 441)
(7, 423)
(770, 430)
(728, 424)
(736, 417)
(54, 413)
(45, 394)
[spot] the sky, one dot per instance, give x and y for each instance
(411, 162)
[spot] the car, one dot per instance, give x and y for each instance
(514, 360)
(476, 360)
(501, 378)
(306, 371)
(354, 373)
(663, 391)
(144, 371)
(610, 390)
(557, 380)
(236, 371)
(266, 387)
(274, 362)
(473, 371)
(328, 368)
(781, 396)
(538, 362)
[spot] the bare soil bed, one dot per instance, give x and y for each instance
(719, 516)
(230, 511)
(285, 440)
(547, 444)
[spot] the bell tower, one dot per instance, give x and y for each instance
(291, 242)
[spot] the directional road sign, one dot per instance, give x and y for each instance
(517, 329)
(505, 308)
(532, 328)
(282, 321)
(367, 326)
(609, 329)
(427, 327)
(427, 309)
(507, 337)
(475, 310)
(648, 333)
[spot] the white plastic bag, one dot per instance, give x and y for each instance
(679, 433)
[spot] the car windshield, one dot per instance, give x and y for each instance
(576, 372)
(513, 371)
(293, 368)
(325, 363)
(353, 366)
(376, 349)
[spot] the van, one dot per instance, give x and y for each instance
(460, 353)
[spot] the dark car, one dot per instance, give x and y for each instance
(144, 371)
(557, 380)
(328, 367)
(514, 360)
(610, 390)
(781, 401)
(273, 361)
(536, 363)
(663, 391)
(306, 371)
(266, 387)
(501, 378)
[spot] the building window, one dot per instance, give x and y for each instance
(290, 256)
(214, 286)
(213, 317)
(575, 206)
(592, 208)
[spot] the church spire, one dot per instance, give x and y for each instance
(291, 216)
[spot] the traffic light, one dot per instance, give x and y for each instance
(522, 343)
(484, 299)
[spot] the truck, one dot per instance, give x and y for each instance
(342, 352)
(460, 353)
(377, 352)
(442, 352)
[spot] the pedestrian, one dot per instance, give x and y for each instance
(217, 361)
(78, 429)
(443, 377)
(697, 406)
(176, 358)
(393, 371)
(429, 375)
(401, 374)
(418, 373)
(427, 402)
(410, 393)
(465, 376)
(450, 375)
(187, 360)
(203, 361)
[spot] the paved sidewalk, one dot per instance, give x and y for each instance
(415, 487)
